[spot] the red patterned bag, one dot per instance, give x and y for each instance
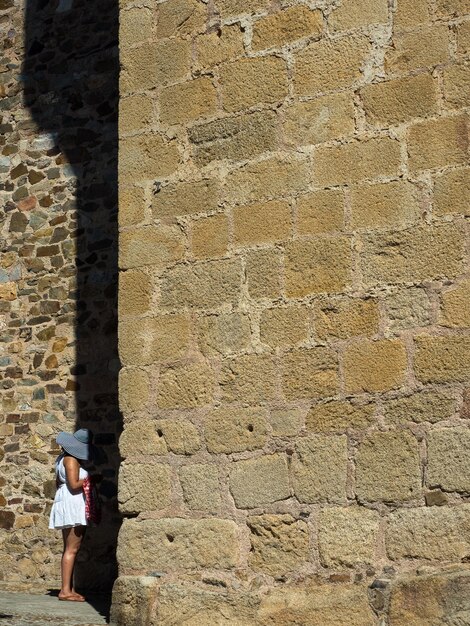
(92, 504)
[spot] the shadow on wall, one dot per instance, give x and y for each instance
(70, 75)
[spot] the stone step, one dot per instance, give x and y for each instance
(28, 609)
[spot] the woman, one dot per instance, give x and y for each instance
(68, 509)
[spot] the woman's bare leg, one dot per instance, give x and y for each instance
(72, 540)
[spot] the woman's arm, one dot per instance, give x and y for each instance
(72, 472)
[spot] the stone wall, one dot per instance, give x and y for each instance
(58, 273)
(294, 311)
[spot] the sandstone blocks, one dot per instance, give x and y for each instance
(259, 481)
(169, 544)
(293, 305)
(388, 467)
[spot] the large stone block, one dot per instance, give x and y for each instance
(157, 437)
(330, 64)
(174, 544)
(389, 205)
(355, 161)
(173, 61)
(325, 118)
(455, 306)
(247, 82)
(223, 334)
(388, 467)
(286, 422)
(374, 365)
(132, 205)
(413, 255)
(134, 389)
(284, 27)
(180, 436)
(449, 459)
(435, 533)
(133, 600)
(316, 604)
(451, 192)
(138, 68)
(425, 406)
(279, 543)
(158, 246)
(201, 488)
(407, 307)
(463, 37)
(318, 265)
(442, 359)
(135, 26)
(309, 373)
(210, 236)
(187, 198)
(141, 437)
(348, 536)
(136, 113)
(283, 327)
(457, 86)
(186, 102)
(400, 100)
(424, 47)
(201, 285)
(308, 603)
(160, 339)
(135, 292)
(263, 273)
(259, 481)
(250, 378)
(186, 603)
(274, 177)
(147, 157)
(180, 17)
(339, 416)
(144, 487)
(230, 429)
(438, 143)
(263, 222)
(320, 212)
(411, 13)
(358, 13)
(344, 317)
(216, 47)
(451, 8)
(435, 598)
(235, 138)
(319, 468)
(185, 386)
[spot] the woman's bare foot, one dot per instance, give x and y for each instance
(71, 597)
(78, 595)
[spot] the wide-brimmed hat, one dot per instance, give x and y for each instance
(76, 444)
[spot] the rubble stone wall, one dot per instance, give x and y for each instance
(294, 310)
(58, 274)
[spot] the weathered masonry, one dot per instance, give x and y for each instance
(58, 273)
(294, 303)
(294, 312)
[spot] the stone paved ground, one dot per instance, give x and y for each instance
(25, 609)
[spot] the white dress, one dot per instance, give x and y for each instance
(68, 508)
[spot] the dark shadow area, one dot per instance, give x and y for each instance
(101, 603)
(70, 76)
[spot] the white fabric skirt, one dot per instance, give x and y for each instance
(68, 509)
